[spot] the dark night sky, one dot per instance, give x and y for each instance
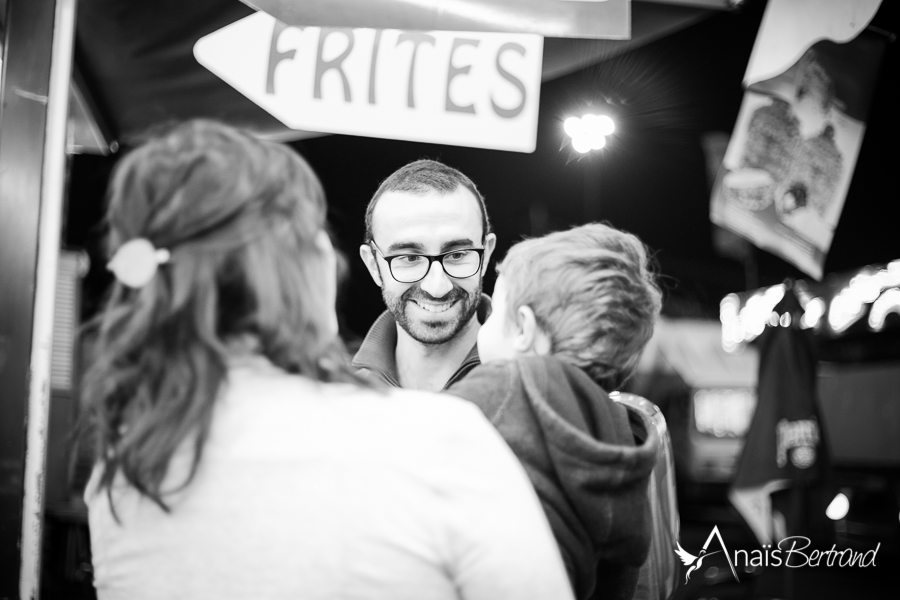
(651, 180)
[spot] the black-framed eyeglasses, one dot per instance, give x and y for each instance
(410, 268)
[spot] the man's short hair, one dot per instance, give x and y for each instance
(592, 292)
(423, 176)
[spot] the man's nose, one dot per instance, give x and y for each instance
(436, 281)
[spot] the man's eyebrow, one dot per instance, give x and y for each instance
(399, 246)
(462, 242)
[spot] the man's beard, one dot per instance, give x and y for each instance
(433, 332)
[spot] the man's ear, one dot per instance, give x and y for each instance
(530, 338)
(490, 242)
(368, 257)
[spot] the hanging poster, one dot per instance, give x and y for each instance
(791, 157)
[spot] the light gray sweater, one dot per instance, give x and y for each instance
(310, 490)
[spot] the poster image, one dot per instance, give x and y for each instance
(791, 157)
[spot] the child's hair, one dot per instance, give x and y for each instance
(592, 292)
(240, 218)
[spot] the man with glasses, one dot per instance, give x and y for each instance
(428, 244)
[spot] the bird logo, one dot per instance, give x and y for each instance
(688, 559)
(694, 562)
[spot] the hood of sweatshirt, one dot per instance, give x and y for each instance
(601, 452)
(589, 458)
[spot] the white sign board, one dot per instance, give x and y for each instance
(462, 88)
(790, 27)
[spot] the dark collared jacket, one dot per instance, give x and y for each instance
(376, 355)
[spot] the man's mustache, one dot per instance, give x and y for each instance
(417, 293)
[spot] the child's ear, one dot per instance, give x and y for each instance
(530, 338)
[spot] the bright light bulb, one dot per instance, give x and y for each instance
(607, 126)
(732, 332)
(581, 144)
(838, 508)
(593, 131)
(845, 309)
(592, 126)
(574, 127)
(888, 302)
(865, 286)
(588, 132)
(774, 295)
(815, 308)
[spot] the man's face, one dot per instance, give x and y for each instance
(435, 309)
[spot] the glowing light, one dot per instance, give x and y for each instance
(866, 287)
(573, 127)
(845, 309)
(732, 330)
(758, 311)
(890, 277)
(745, 323)
(589, 132)
(724, 412)
(888, 302)
(815, 308)
(801, 290)
(838, 508)
(893, 272)
(592, 126)
(606, 124)
(582, 144)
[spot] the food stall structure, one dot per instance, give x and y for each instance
(855, 317)
(707, 394)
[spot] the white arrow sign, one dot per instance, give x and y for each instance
(463, 88)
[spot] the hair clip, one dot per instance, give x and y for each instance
(136, 262)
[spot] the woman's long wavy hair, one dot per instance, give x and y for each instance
(241, 218)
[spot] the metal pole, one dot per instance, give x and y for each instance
(49, 232)
(36, 67)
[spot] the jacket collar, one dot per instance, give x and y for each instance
(378, 351)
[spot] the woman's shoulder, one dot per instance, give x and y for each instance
(411, 413)
(279, 401)
(444, 410)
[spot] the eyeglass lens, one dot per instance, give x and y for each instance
(411, 267)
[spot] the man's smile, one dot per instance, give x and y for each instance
(434, 307)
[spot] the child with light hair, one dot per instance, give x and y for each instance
(572, 312)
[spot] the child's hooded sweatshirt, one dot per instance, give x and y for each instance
(589, 459)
